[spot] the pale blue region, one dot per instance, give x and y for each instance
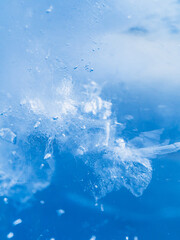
(89, 120)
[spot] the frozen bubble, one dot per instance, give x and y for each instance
(10, 235)
(18, 221)
(7, 135)
(60, 212)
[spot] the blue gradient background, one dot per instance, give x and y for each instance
(133, 49)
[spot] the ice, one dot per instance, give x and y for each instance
(10, 235)
(48, 155)
(5, 200)
(78, 120)
(7, 135)
(17, 221)
(102, 208)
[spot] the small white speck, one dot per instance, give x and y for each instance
(52, 239)
(10, 235)
(49, 9)
(48, 155)
(129, 117)
(42, 165)
(5, 200)
(135, 238)
(42, 202)
(18, 221)
(127, 238)
(60, 212)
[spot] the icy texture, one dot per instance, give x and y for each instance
(77, 120)
(8, 135)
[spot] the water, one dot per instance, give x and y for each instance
(89, 120)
